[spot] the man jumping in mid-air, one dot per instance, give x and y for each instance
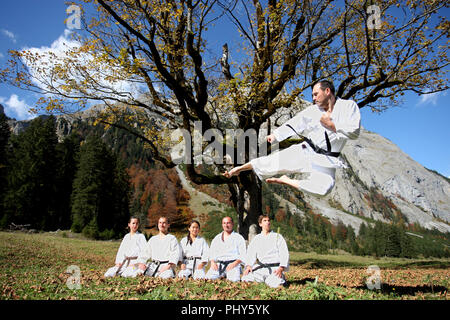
(326, 126)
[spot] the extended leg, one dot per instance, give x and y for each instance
(236, 170)
(284, 180)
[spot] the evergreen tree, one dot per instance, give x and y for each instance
(376, 239)
(362, 230)
(121, 193)
(68, 153)
(341, 232)
(393, 245)
(100, 192)
(30, 198)
(408, 250)
(270, 203)
(299, 224)
(323, 230)
(4, 138)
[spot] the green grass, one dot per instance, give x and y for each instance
(312, 259)
(34, 266)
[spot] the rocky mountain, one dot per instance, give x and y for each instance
(380, 182)
(383, 183)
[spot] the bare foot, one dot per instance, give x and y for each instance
(232, 172)
(284, 180)
(281, 180)
(226, 174)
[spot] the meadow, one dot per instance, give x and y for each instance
(64, 266)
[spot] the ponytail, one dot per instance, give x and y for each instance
(189, 239)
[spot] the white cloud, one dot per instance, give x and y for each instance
(57, 52)
(9, 34)
(49, 55)
(431, 98)
(16, 108)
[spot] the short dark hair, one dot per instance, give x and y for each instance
(135, 217)
(231, 218)
(327, 84)
(261, 217)
(164, 217)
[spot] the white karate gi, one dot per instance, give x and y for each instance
(231, 249)
(301, 157)
(131, 246)
(267, 249)
(161, 248)
(199, 248)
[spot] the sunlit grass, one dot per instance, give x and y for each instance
(34, 266)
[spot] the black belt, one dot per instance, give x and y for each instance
(316, 149)
(195, 261)
(127, 261)
(192, 258)
(158, 263)
(223, 265)
(266, 265)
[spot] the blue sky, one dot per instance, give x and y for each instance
(419, 126)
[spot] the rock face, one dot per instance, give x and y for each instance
(63, 126)
(380, 183)
(378, 167)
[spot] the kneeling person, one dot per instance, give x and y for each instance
(130, 248)
(163, 251)
(195, 253)
(267, 256)
(226, 253)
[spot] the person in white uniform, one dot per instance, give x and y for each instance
(326, 126)
(130, 247)
(194, 253)
(267, 256)
(162, 250)
(226, 253)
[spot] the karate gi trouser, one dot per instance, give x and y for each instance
(296, 159)
(124, 272)
(266, 276)
(186, 273)
(133, 272)
(233, 275)
(111, 272)
(130, 271)
(165, 274)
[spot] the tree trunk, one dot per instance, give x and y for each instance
(246, 195)
(247, 200)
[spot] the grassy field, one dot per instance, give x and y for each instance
(41, 266)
